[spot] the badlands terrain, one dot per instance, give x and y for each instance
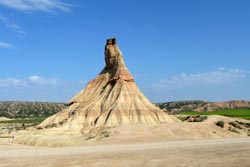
(169, 144)
(24, 109)
(111, 123)
(202, 106)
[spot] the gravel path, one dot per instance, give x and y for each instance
(195, 153)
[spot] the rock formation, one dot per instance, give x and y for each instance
(201, 106)
(24, 109)
(111, 99)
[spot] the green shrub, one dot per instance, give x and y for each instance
(246, 125)
(183, 118)
(235, 131)
(235, 124)
(200, 118)
(197, 118)
(220, 124)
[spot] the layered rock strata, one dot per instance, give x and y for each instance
(111, 99)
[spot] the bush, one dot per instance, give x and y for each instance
(246, 125)
(220, 124)
(197, 118)
(235, 124)
(200, 118)
(183, 118)
(234, 130)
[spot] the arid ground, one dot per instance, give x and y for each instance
(213, 152)
(172, 144)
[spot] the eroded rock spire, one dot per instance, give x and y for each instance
(115, 65)
(111, 99)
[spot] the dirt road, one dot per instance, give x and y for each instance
(195, 153)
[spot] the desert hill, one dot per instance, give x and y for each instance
(16, 109)
(112, 109)
(111, 99)
(199, 106)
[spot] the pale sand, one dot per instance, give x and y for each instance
(171, 144)
(206, 153)
(131, 134)
(4, 119)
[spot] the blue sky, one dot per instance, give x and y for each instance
(176, 50)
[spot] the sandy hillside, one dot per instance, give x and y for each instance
(170, 144)
(196, 153)
(4, 119)
(138, 133)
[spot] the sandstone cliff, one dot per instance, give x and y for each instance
(111, 99)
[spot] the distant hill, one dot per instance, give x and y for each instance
(14, 109)
(199, 106)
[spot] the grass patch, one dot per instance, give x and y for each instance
(182, 118)
(23, 121)
(238, 113)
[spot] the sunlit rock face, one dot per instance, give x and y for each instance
(111, 99)
(115, 65)
(111, 53)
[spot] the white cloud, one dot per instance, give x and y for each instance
(11, 25)
(5, 45)
(43, 81)
(14, 27)
(12, 82)
(30, 81)
(219, 76)
(37, 88)
(50, 6)
(2, 18)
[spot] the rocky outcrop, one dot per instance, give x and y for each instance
(199, 106)
(111, 99)
(18, 109)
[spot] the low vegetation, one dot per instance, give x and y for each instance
(233, 130)
(195, 118)
(220, 124)
(21, 110)
(239, 113)
(245, 124)
(183, 118)
(235, 125)
(23, 121)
